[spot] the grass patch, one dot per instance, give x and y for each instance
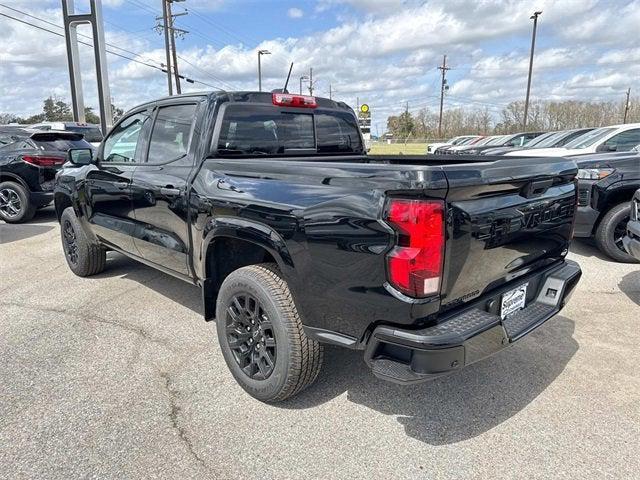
(398, 148)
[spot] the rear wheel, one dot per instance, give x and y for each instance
(611, 231)
(261, 336)
(84, 257)
(15, 204)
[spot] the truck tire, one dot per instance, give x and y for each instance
(610, 231)
(15, 203)
(261, 336)
(84, 257)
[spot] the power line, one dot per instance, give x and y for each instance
(108, 51)
(80, 34)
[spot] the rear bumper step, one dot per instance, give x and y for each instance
(411, 356)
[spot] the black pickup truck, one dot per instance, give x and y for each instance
(297, 237)
(606, 184)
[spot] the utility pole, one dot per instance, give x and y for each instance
(627, 105)
(443, 83)
(330, 93)
(311, 81)
(533, 17)
(167, 47)
(170, 41)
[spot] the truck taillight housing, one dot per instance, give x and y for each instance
(414, 265)
(43, 161)
(288, 100)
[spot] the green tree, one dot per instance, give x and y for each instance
(89, 116)
(55, 110)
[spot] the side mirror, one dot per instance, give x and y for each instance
(80, 156)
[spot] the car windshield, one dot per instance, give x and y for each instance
(589, 138)
(467, 141)
(91, 134)
(541, 139)
(498, 140)
(484, 141)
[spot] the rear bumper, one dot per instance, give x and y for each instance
(40, 199)
(411, 356)
(586, 218)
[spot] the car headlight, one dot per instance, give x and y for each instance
(594, 173)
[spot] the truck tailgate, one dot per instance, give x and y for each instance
(504, 218)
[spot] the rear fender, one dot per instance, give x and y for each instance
(256, 233)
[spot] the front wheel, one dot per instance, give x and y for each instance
(261, 336)
(84, 257)
(611, 231)
(15, 204)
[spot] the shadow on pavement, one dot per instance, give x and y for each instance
(630, 286)
(457, 407)
(447, 410)
(173, 288)
(587, 248)
(20, 231)
(45, 215)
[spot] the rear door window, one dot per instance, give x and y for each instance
(171, 133)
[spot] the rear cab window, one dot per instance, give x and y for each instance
(91, 134)
(55, 142)
(253, 129)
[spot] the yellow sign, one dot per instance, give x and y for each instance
(364, 108)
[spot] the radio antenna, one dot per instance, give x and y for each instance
(284, 90)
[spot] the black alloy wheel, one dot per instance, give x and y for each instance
(619, 232)
(251, 336)
(70, 242)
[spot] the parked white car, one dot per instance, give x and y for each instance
(91, 132)
(615, 138)
(452, 141)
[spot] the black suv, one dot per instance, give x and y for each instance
(28, 165)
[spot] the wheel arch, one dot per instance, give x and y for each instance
(613, 197)
(12, 177)
(232, 243)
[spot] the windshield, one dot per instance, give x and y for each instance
(589, 138)
(91, 134)
(497, 140)
(258, 130)
(484, 141)
(541, 139)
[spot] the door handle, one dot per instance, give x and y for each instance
(169, 192)
(122, 185)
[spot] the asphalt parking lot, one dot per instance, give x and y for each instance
(118, 376)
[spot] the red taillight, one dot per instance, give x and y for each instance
(415, 264)
(287, 100)
(43, 161)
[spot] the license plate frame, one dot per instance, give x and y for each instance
(513, 300)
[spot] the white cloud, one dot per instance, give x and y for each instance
(295, 13)
(385, 57)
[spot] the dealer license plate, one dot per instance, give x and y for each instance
(513, 300)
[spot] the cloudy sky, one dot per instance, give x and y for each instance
(382, 52)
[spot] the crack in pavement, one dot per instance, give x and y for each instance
(174, 414)
(137, 330)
